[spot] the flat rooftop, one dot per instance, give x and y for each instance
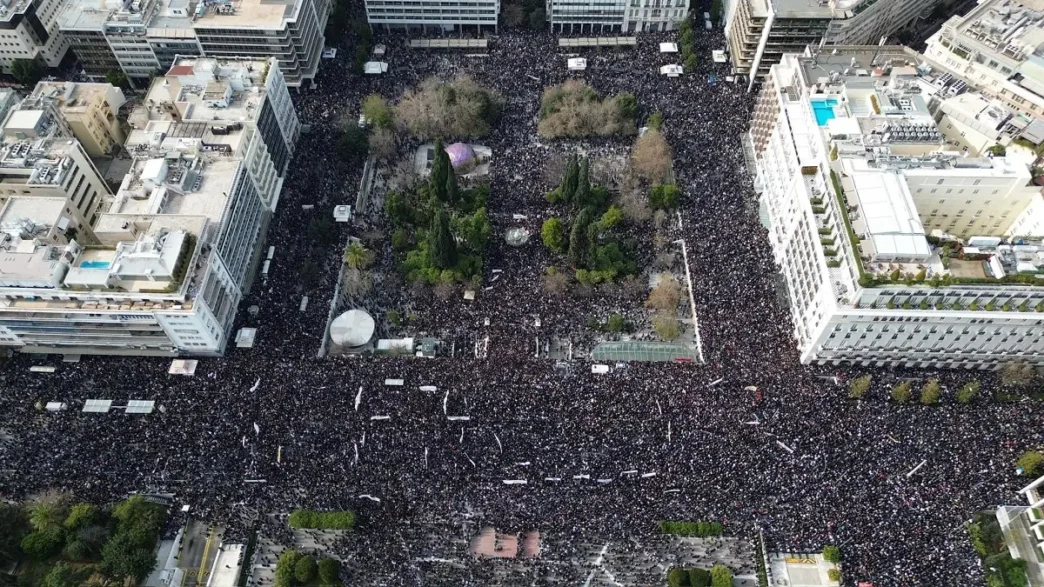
(72, 96)
(40, 211)
(209, 90)
(246, 13)
(176, 187)
(1012, 28)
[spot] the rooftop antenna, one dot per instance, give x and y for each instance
(873, 60)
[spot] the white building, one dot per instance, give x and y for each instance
(842, 162)
(143, 37)
(608, 16)
(1023, 528)
(162, 268)
(760, 32)
(29, 30)
(994, 48)
(474, 15)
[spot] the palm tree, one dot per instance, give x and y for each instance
(357, 256)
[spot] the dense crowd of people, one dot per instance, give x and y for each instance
(603, 456)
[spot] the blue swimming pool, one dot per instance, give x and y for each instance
(824, 110)
(94, 265)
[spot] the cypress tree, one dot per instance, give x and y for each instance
(440, 168)
(583, 185)
(570, 180)
(443, 247)
(578, 245)
(452, 192)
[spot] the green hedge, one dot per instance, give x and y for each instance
(322, 520)
(700, 529)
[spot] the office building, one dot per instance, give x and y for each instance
(615, 16)
(142, 37)
(163, 267)
(29, 30)
(994, 49)
(760, 32)
(1023, 529)
(862, 205)
(90, 110)
(471, 15)
(8, 100)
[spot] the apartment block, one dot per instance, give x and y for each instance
(609, 16)
(994, 49)
(760, 32)
(161, 269)
(90, 110)
(29, 30)
(846, 165)
(142, 38)
(474, 15)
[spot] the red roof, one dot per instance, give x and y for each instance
(181, 70)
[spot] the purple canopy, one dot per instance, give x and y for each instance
(460, 154)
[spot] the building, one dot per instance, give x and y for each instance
(863, 207)
(162, 268)
(477, 15)
(29, 30)
(996, 48)
(760, 32)
(90, 110)
(609, 16)
(8, 100)
(142, 38)
(974, 123)
(1023, 529)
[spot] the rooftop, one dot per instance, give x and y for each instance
(73, 96)
(1014, 29)
(173, 17)
(178, 184)
(206, 90)
(792, 9)
(244, 13)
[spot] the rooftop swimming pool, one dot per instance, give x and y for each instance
(94, 265)
(824, 110)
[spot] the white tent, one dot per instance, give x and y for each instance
(183, 367)
(671, 70)
(668, 47)
(577, 64)
(375, 67)
(719, 56)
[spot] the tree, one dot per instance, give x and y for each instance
(690, 63)
(329, 571)
(931, 392)
(123, 557)
(46, 515)
(715, 11)
(443, 247)
(677, 577)
(583, 185)
(664, 197)
(1030, 462)
(699, 577)
(553, 234)
(61, 575)
(538, 19)
(356, 256)
(655, 121)
(26, 71)
(834, 575)
(901, 393)
(1018, 374)
(858, 387)
(473, 230)
(721, 576)
(666, 295)
(968, 392)
(832, 554)
(117, 78)
(285, 567)
(666, 325)
(612, 217)
(578, 239)
(615, 323)
(651, 156)
(382, 143)
(354, 145)
(13, 527)
(458, 108)
(304, 569)
(452, 191)
(377, 112)
(570, 180)
(554, 281)
(440, 170)
(80, 515)
(40, 544)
